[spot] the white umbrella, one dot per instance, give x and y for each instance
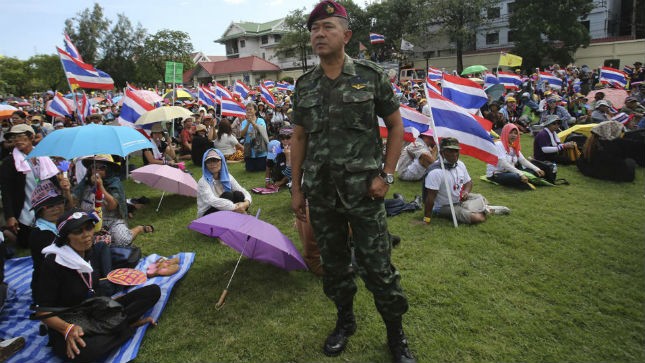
(166, 113)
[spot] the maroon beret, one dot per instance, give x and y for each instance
(326, 9)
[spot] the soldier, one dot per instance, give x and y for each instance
(336, 145)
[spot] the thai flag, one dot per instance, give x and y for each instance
(83, 74)
(230, 107)
(71, 49)
(435, 74)
(614, 77)
(266, 96)
(206, 97)
(509, 80)
(241, 90)
(133, 107)
(268, 84)
(84, 109)
(490, 80)
(554, 82)
(433, 87)
(221, 92)
(396, 89)
(463, 92)
(376, 38)
(414, 123)
(629, 70)
(283, 86)
(451, 120)
(60, 107)
(577, 83)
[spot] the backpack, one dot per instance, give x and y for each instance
(550, 171)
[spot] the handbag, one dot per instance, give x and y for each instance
(98, 315)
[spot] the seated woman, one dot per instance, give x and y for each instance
(604, 155)
(547, 145)
(506, 172)
(71, 273)
(162, 152)
(102, 180)
(227, 143)
(218, 190)
(278, 172)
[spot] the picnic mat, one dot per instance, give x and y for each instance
(14, 318)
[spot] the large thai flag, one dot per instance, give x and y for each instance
(241, 89)
(463, 92)
(490, 80)
(414, 123)
(554, 81)
(84, 109)
(83, 74)
(451, 120)
(432, 86)
(60, 107)
(376, 38)
(284, 86)
(222, 92)
(614, 77)
(206, 97)
(230, 107)
(509, 80)
(268, 84)
(266, 96)
(71, 49)
(133, 107)
(435, 74)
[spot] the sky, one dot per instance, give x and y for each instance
(31, 27)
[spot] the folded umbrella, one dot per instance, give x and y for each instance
(167, 179)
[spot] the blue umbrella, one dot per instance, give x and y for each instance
(91, 139)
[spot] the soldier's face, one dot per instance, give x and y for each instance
(329, 36)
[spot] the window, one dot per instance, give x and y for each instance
(492, 13)
(492, 38)
(511, 7)
(264, 56)
(510, 36)
(242, 43)
(586, 24)
(265, 39)
(277, 38)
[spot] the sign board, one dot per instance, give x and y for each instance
(174, 72)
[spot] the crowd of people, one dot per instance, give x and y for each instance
(331, 159)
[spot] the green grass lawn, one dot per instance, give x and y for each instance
(561, 279)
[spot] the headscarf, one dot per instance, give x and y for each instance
(506, 131)
(224, 177)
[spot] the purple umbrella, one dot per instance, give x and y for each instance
(251, 237)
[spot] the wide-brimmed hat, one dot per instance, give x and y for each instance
(74, 219)
(105, 158)
(19, 129)
(200, 127)
(45, 194)
(602, 103)
(551, 119)
(449, 143)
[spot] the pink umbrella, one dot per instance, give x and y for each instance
(613, 95)
(167, 179)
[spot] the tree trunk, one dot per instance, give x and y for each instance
(460, 61)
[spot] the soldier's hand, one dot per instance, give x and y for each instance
(298, 205)
(378, 188)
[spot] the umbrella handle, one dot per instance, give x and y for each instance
(222, 299)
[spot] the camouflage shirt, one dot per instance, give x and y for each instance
(344, 148)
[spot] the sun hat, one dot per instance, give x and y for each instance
(74, 219)
(602, 103)
(511, 99)
(105, 158)
(449, 143)
(19, 129)
(551, 119)
(200, 127)
(631, 99)
(45, 194)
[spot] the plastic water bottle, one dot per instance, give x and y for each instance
(555, 168)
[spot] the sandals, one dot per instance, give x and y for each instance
(163, 267)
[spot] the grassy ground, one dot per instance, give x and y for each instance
(562, 279)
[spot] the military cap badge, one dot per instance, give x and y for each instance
(330, 9)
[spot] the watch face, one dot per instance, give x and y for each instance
(389, 178)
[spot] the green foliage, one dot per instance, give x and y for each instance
(120, 47)
(164, 45)
(558, 280)
(549, 30)
(87, 30)
(295, 42)
(14, 76)
(46, 73)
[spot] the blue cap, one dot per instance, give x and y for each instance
(273, 149)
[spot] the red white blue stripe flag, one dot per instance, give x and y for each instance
(435, 74)
(463, 92)
(60, 107)
(83, 108)
(509, 80)
(432, 86)
(133, 107)
(414, 123)
(71, 49)
(222, 92)
(268, 84)
(376, 38)
(284, 86)
(84, 75)
(241, 90)
(206, 97)
(451, 120)
(396, 89)
(554, 81)
(490, 80)
(614, 77)
(230, 107)
(266, 96)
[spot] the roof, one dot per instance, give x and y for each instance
(251, 29)
(239, 65)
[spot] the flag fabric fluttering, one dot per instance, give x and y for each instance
(284, 86)
(613, 77)
(628, 70)
(414, 123)
(84, 109)
(432, 86)
(268, 84)
(490, 80)
(509, 60)
(133, 107)
(206, 97)
(84, 75)
(405, 45)
(463, 92)
(435, 74)
(509, 80)
(396, 89)
(241, 89)
(554, 81)
(71, 49)
(60, 107)
(266, 96)
(230, 107)
(222, 92)
(376, 38)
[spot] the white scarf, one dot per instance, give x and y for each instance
(67, 257)
(46, 167)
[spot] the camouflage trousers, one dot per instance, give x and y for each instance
(372, 250)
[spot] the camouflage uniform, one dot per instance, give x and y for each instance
(343, 155)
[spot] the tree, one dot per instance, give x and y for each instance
(87, 30)
(164, 45)
(359, 23)
(549, 30)
(46, 72)
(460, 21)
(296, 40)
(119, 48)
(14, 77)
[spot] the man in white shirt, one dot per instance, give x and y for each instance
(416, 157)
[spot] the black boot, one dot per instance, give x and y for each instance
(398, 343)
(345, 327)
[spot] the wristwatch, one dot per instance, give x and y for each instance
(389, 178)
